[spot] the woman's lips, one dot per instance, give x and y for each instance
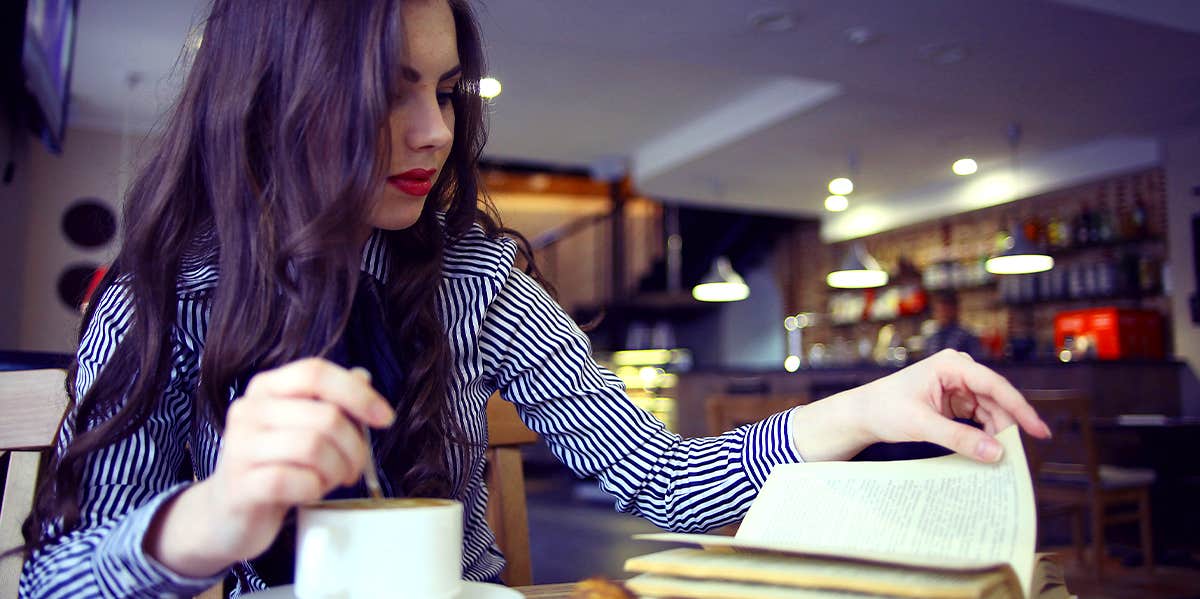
(415, 182)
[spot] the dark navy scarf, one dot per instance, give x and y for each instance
(366, 344)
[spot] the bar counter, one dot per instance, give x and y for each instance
(1163, 398)
(1161, 387)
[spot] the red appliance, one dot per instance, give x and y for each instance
(1110, 333)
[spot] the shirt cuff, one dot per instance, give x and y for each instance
(123, 568)
(766, 444)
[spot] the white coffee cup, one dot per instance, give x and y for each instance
(368, 548)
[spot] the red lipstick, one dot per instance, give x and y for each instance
(415, 182)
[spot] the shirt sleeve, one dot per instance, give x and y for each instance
(542, 363)
(123, 485)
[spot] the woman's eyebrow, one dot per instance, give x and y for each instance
(412, 76)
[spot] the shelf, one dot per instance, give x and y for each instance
(985, 286)
(1122, 297)
(910, 318)
(1121, 244)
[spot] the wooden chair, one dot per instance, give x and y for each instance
(727, 412)
(33, 403)
(506, 511)
(1068, 478)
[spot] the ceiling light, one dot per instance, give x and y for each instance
(859, 270)
(841, 186)
(721, 284)
(773, 21)
(861, 36)
(944, 54)
(1019, 257)
(836, 203)
(489, 87)
(964, 167)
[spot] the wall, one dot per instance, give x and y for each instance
(88, 167)
(578, 266)
(14, 199)
(1182, 165)
(751, 331)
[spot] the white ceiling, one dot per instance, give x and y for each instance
(730, 115)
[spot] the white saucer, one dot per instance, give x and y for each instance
(470, 590)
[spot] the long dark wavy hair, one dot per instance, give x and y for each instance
(271, 157)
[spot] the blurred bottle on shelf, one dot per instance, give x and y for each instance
(1139, 219)
(662, 335)
(936, 276)
(1083, 226)
(637, 336)
(818, 356)
(1149, 275)
(1033, 230)
(1104, 224)
(992, 343)
(1105, 228)
(1104, 278)
(1058, 235)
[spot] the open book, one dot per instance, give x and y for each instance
(944, 527)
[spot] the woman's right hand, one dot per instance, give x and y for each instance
(289, 440)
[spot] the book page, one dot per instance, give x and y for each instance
(816, 573)
(652, 585)
(948, 511)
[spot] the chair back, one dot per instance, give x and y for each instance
(507, 514)
(33, 403)
(1070, 454)
(727, 412)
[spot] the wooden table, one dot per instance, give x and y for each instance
(547, 591)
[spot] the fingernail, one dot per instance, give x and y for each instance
(361, 372)
(988, 450)
(382, 414)
(1046, 430)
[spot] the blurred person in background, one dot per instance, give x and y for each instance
(950, 333)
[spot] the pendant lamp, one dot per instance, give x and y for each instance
(1020, 257)
(859, 270)
(721, 284)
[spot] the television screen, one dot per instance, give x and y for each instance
(46, 56)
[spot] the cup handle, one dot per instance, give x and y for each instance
(317, 556)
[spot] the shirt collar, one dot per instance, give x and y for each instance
(376, 260)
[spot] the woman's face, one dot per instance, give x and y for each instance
(421, 123)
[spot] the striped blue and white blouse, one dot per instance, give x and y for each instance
(505, 334)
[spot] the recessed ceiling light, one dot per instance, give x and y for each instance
(964, 167)
(944, 54)
(489, 87)
(841, 186)
(773, 20)
(836, 203)
(861, 36)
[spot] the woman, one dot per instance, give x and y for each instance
(314, 207)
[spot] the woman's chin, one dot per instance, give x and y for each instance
(396, 215)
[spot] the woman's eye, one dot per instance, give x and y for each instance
(445, 97)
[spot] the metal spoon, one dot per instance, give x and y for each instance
(370, 472)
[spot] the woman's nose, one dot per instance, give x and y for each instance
(427, 128)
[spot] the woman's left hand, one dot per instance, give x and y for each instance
(917, 403)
